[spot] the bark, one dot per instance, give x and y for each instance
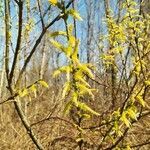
(7, 37)
(2, 77)
(112, 67)
(43, 63)
(10, 76)
(90, 27)
(145, 6)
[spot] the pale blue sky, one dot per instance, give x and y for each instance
(81, 32)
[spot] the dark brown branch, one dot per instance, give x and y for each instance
(20, 5)
(138, 145)
(74, 22)
(16, 2)
(141, 144)
(11, 98)
(44, 14)
(41, 17)
(23, 118)
(125, 132)
(54, 118)
(7, 38)
(27, 125)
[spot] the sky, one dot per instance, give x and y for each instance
(81, 25)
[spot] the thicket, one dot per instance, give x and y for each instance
(52, 99)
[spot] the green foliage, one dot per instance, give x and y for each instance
(32, 88)
(53, 2)
(76, 74)
(74, 14)
(129, 34)
(123, 74)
